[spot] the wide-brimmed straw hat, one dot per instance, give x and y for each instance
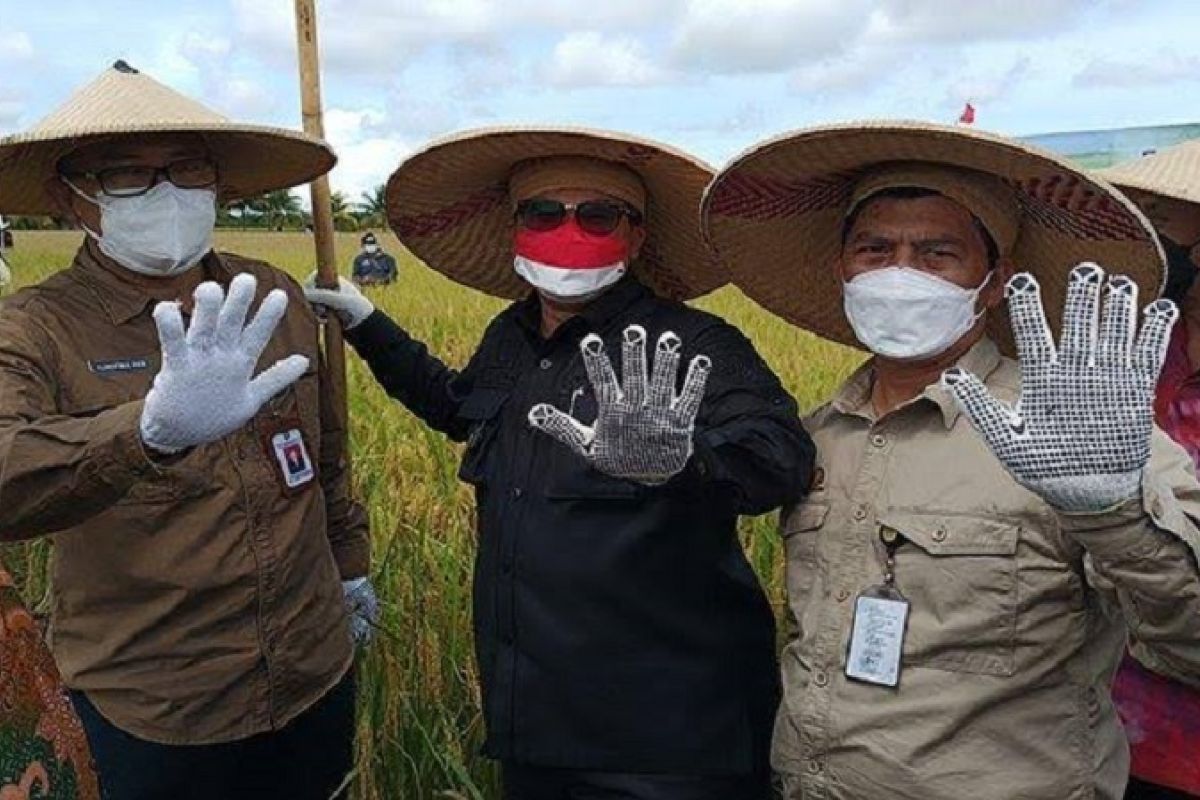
(251, 159)
(1173, 173)
(775, 215)
(450, 205)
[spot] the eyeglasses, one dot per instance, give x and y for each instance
(187, 173)
(597, 217)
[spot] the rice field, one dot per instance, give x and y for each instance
(419, 722)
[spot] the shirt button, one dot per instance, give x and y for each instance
(546, 364)
(860, 513)
(843, 595)
(821, 679)
(517, 493)
(814, 766)
(879, 440)
(939, 535)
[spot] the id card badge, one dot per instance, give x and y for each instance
(285, 444)
(877, 637)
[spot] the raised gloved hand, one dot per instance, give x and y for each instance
(205, 389)
(1079, 435)
(362, 606)
(350, 304)
(643, 430)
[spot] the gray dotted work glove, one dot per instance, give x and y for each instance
(643, 430)
(347, 301)
(206, 388)
(1079, 434)
(362, 605)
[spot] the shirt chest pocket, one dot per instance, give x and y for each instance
(481, 410)
(959, 574)
(801, 535)
(187, 477)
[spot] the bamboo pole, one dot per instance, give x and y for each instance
(322, 209)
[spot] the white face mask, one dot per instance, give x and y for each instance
(165, 231)
(568, 285)
(370, 249)
(908, 315)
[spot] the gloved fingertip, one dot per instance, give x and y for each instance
(209, 292)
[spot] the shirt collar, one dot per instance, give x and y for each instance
(595, 316)
(854, 398)
(124, 295)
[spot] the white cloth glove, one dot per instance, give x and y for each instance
(362, 605)
(643, 430)
(347, 301)
(204, 390)
(1079, 434)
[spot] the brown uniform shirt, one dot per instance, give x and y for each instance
(195, 600)
(1018, 614)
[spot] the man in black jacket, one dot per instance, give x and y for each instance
(626, 647)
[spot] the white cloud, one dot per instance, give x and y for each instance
(985, 87)
(242, 98)
(1163, 69)
(593, 59)
(365, 164)
(935, 20)
(850, 72)
(736, 36)
(12, 106)
(352, 125)
(15, 46)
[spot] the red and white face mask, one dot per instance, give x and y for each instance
(568, 264)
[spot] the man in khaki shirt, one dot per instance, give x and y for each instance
(956, 632)
(198, 503)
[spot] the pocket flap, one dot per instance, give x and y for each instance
(955, 534)
(482, 404)
(806, 517)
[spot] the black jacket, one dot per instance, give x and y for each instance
(618, 627)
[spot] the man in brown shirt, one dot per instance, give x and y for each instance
(958, 620)
(200, 516)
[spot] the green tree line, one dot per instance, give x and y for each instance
(280, 210)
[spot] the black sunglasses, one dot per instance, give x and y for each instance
(597, 217)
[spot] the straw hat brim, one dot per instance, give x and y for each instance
(1173, 173)
(251, 159)
(449, 205)
(774, 216)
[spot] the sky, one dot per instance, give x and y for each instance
(710, 76)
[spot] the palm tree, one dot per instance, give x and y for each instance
(372, 207)
(343, 218)
(280, 206)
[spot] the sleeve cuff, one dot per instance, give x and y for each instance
(353, 559)
(120, 434)
(1133, 529)
(378, 328)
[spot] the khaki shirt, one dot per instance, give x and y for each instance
(1018, 614)
(194, 601)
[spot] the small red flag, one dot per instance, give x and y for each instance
(967, 117)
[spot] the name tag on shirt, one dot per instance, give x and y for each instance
(877, 637)
(110, 366)
(291, 455)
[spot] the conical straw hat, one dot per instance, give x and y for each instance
(775, 215)
(449, 204)
(1173, 173)
(251, 159)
